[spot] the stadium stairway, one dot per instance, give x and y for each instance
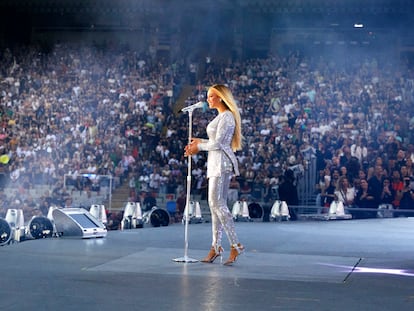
(119, 197)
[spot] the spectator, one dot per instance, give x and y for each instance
(328, 195)
(364, 200)
(407, 199)
(288, 192)
(245, 191)
(388, 194)
(323, 156)
(375, 182)
(345, 192)
(234, 190)
(181, 202)
(397, 186)
(320, 186)
(149, 201)
(155, 180)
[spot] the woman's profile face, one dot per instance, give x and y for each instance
(213, 100)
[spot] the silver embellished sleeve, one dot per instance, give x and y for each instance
(220, 132)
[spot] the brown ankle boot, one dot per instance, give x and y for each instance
(212, 254)
(235, 251)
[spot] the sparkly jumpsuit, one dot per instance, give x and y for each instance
(221, 165)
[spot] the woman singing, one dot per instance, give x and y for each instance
(224, 133)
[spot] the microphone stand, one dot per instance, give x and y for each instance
(185, 258)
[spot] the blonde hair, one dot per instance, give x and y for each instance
(227, 97)
(340, 182)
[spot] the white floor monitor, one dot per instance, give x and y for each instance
(77, 222)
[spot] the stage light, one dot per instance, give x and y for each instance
(240, 211)
(157, 217)
(385, 211)
(401, 272)
(336, 208)
(353, 269)
(194, 213)
(39, 227)
(279, 211)
(15, 219)
(5, 232)
(132, 217)
(99, 212)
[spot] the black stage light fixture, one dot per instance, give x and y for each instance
(5, 232)
(157, 217)
(40, 227)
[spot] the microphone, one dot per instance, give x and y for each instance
(195, 106)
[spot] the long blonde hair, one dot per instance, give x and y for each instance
(227, 97)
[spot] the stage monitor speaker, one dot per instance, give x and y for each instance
(77, 222)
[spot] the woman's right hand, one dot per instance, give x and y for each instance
(192, 147)
(195, 141)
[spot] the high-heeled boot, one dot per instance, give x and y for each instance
(213, 254)
(235, 251)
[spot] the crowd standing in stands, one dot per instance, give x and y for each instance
(87, 111)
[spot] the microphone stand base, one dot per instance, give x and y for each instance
(185, 259)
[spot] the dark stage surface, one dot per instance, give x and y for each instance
(306, 265)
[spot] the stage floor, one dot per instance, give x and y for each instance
(304, 265)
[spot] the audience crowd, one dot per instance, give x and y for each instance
(73, 114)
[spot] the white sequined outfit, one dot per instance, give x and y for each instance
(221, 165)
